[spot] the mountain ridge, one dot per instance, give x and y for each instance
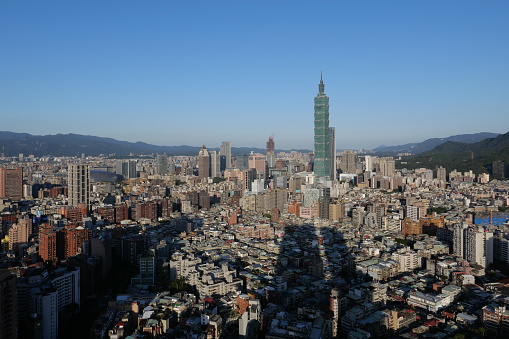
(429, 144)
(12, 144)
(463, 157)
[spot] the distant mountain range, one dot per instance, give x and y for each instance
(461, 156)
(475, 151)
(429, 144)
(12, 144)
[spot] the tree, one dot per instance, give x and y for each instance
(178, 285)
(482, 331)
(439, 210)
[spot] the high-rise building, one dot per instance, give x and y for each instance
(19, 233)
(332, 142)
(78, 181)
(147, 269)
(349, 162)
(215, 164)
(71, 241)
(258, 162)
(8, 305)
(47, 243)
(66, 283)
(271, 156)
(370, 162)
(171, 166)
(322, 144)
(62, 243)
(459, 239)
(203, 162)
(162, 164)
(441, 174)
(478, 246)
(387, 166)
(126, 168)
(226, 151)
(242, 162)
(498, 169)
(11, 183)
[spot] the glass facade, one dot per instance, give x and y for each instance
(322, 143)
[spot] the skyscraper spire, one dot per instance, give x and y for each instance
(321, 86)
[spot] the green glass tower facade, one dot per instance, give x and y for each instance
(322, 143)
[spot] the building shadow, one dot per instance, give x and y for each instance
(300, 291)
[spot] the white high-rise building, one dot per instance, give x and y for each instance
(67, 286)
(474, 246)
(370, 162)
(47, 306)
(478, 246)
(459, 240)
(78, 181)
(257, 186)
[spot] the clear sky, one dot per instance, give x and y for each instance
(198, 72)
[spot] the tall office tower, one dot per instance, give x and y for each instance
(126, 168)
(226, 151)
(78, 182)
(215, 164)
(11, 183)
(203, 162)
(162, 164)
(349, 162)
(332, 142)
(322, 145)
(441, 174)
(271, 156)
(387, 166)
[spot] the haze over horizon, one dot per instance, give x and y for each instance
(199, 72)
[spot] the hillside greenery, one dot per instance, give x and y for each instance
(463, 157)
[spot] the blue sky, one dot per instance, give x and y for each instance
(199, 72)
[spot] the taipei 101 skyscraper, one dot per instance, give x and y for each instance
(322, 143)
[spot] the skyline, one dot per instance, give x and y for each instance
(396, 72)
